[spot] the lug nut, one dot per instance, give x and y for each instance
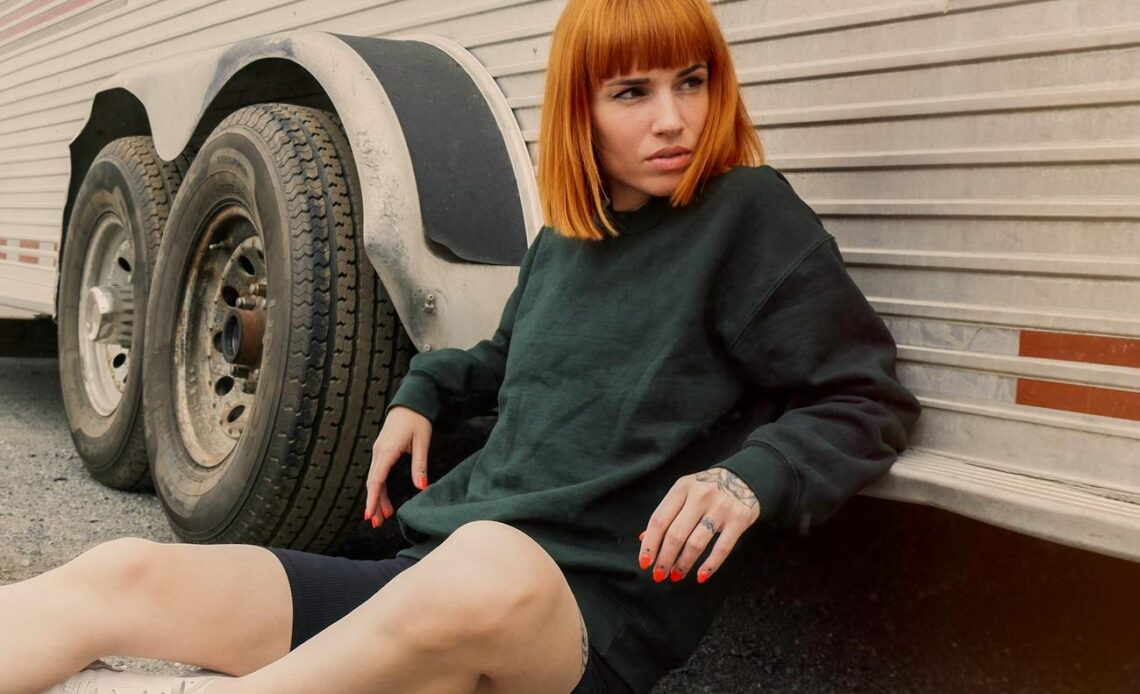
(257, 289)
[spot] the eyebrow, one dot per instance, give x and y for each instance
(645, 80)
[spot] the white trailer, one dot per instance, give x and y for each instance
(276, 201)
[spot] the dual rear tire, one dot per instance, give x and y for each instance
(271, 346)
(112, 242)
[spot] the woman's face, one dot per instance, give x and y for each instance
(637, 115)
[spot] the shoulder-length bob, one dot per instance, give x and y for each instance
(595, 40)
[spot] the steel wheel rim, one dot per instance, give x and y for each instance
(108, 267)
(214, 398)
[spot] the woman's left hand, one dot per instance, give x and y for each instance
(697, 508)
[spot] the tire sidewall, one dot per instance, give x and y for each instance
(234, 166)
(107, 189)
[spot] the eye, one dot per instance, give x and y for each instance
(697, 82)
(627, 91)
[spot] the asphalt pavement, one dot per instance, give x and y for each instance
(884, 597)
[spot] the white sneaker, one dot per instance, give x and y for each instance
(100, 678)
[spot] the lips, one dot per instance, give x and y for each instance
(669, 152)
(673, 160)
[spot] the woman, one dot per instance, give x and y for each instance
(684, 358)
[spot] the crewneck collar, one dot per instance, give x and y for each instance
(641, 219)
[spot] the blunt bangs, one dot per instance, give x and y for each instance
(596, 40)
(654, 36)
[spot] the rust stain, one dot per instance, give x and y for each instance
(1093, 349)
(41, 18)
(1106, 402)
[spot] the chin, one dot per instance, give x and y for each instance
(665, 181)
(663, 189)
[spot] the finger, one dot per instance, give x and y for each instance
(678, 536)
(386, 507)
(382, 460)
(420, 441)
(699, 540)
(382, 505)
(659, 521)
(723, 547)
(372, 494)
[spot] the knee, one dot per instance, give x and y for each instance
(508, 576)
(495, 579)
(116, 566)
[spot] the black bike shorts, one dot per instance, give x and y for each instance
(325, 589)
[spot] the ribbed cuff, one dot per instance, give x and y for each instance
(418, 392)
(769, 475)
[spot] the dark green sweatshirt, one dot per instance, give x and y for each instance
(723, 334)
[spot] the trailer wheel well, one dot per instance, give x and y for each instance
(262, 81)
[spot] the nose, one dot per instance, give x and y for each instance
(667, 116)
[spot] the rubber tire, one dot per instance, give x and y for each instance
(113, 448)
(296, 476)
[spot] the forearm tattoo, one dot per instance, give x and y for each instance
(728, 481)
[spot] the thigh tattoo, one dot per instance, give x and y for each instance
(585, 642)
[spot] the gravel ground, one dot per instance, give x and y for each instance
(50, 509)
(885, 597)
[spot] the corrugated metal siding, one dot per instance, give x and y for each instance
(978, 164)
(976, 159)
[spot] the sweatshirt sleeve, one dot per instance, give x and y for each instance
(450, 385)
(816, 345)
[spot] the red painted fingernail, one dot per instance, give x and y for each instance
(702, 575)
(386, 513)
(423, 482)
(375, 522)
(645, 560)
(675, 575)
(658, 574)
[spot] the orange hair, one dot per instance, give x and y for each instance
(598, 39)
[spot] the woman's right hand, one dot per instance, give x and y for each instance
(404, 431)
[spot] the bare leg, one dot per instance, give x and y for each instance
(223, 607)
(486, 611)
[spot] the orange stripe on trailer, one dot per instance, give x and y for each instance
(34, 260)
(42, 17)
(1094, 349)
(23, 11)
(24, 243)
(3, 256)
(1106, 402)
